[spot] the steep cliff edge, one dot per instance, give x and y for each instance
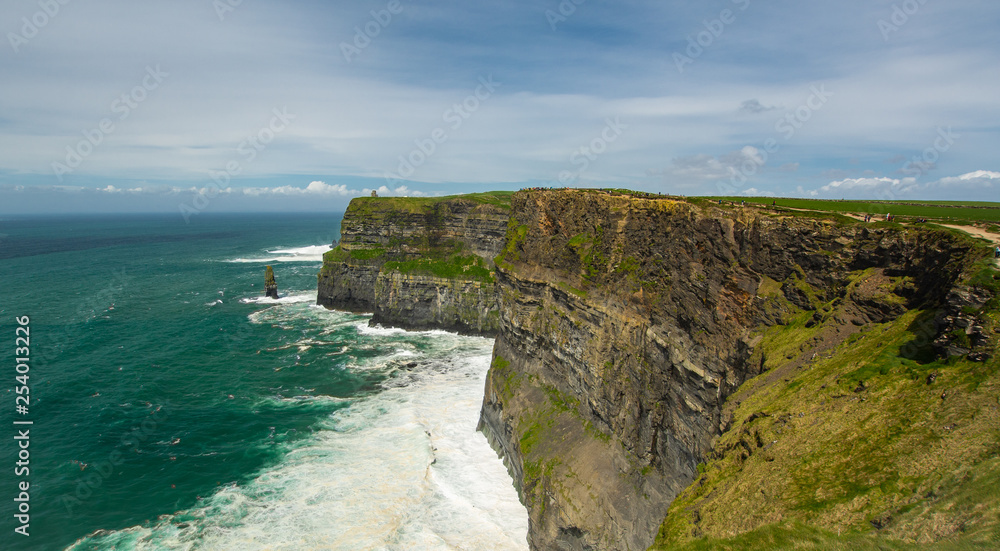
(626, 323)
(418, 263)
(689, 375)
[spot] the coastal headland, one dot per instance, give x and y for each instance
(685, 373)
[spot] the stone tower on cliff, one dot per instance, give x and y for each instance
(270, 285)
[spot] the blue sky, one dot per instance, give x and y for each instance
(221, 105)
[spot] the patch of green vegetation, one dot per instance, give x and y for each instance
(782, 341)
(420, 205)
(366, 254)
(511, 379)
(630, 192)
(768, 288)
(787, 536)
(975, 501)
(337, 254)
(630, 268)
(985, 275)
(534, 427)
(497, 198)
(516, 234)
(562, 402)
(857, 441)
(569, 288)
(798, 280)
(588, 248)
(943, 210)
(579, 240)
(531, 434)
(469, 268)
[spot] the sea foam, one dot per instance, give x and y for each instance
(312, 253)
(295, 297)
(400, 469)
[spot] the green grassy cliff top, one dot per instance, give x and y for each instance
(417, 205)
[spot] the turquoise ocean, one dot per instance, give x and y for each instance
(174, 407)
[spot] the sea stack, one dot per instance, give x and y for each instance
(270, 285)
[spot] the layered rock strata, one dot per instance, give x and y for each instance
(418, 263)
(626, 322)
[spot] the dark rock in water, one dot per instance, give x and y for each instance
(270, 285)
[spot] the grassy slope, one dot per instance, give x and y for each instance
(942, 210)
(814, 459)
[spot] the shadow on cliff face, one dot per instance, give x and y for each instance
(921, 348)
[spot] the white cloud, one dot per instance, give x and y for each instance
(314, 188)
(882, 188)
(401, 191)
(697, 167)
(983, 177)
(324, 188)
(707, 168)
(754, 192)
(251, 191)
(969, 185)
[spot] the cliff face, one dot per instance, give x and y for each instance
(659, 359)
(418, 262)
(428, 302)
(625, 323)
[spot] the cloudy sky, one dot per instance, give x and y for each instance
(215, 105)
